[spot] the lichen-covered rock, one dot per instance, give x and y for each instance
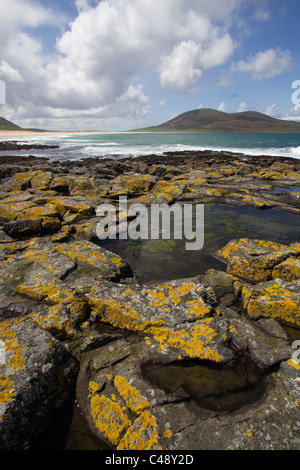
(24, 227)
(287, 270)
(60, 184)
(41, 180)
(132, 183)
(75, 205)
(38, 212)
(177, 317)
(274, 299)
(164, 192)
(110, 266)
(36, 377)
(12, 209)
(266, 345)
(134, 399)
(255, 260)
(52, 260)
(220, 282)
(19, 181)
(167, 366)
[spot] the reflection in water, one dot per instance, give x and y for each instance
(163, 260)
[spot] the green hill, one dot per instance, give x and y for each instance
(6, 125)
(210, 120)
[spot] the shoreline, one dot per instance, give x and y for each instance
(130, 143)
(25, 133)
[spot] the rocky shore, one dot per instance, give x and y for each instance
(198, 363)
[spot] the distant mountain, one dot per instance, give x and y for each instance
(6, 125)
(210, 120)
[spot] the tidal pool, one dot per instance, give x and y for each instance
(164, 260)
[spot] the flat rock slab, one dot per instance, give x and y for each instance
(133, 412)
(177, 316)
(37, 374)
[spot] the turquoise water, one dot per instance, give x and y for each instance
(120, 145)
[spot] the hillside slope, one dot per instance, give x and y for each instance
(210, 120)
(6, 125)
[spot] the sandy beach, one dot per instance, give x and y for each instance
(21, 133)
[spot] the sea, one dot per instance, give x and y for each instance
(75, 146)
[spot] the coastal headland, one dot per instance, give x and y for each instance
(201, 363)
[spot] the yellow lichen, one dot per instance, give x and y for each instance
(119, 314)
(13, 349)
(276, 302)
(142, 435)
(7, 391)
(294, 364)
(198, 308)
(132, 397)
(195, 344)
(109, 418)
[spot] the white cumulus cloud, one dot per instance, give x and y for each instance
(266, 64)
(242, 107)
(102, 56)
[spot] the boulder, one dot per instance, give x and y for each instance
(134, 399)
(177, 317)
(37, 375)
(41, 180)
(274, 299)
(255, 260)
(24, 227)
(109, 265)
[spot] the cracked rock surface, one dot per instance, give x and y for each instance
(198, 363)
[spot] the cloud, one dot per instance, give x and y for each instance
(222, 107)
(269, 109)
(265, 64)
(242, 107)
(111, 43)
(100, 57)
(8, 73)
(82, 5)
(19, 14)
(22, 64)
(294, 114)
(262, 14)
(179, 70)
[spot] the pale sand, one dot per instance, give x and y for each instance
(53, 133)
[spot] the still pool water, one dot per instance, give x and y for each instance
(164, 260)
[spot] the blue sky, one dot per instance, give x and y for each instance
(122, 64)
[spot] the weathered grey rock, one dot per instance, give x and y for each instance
(166, 366)
(176, 315)
(110, 265)
(255, 260)
(19, 228)
(265, 348)
(135, 400)
(220, 282)
(273, 299)
(36, 377)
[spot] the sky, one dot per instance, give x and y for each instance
(116, 65)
